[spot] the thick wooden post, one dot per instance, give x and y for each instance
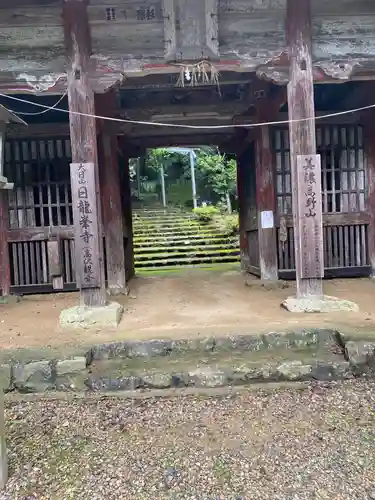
(111, 200)
(4, 225)
(4, 250)
(305, 165)
(244, 246)
(85, 174)
(369, 134)
(265, 194)
(127, 211)
(129, 250)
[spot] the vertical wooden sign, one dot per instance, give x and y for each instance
(86, 228)
(310, 217)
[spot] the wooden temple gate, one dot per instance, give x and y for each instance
(344, 200)
(41, 229)
(202, 62)
(40, 214)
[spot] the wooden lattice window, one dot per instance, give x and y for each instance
(41, 175)
(343, 169)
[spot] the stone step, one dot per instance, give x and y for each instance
(189, 248)
(222, 266)
(300, 355)
(177, 231)
(180, 238)
(156, 219)
(142, 226)
(187, 260)
(161, 213)
(187, 253)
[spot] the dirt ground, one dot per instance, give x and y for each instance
(195, 302)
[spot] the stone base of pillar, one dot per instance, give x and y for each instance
(116, 291)
(92, 317)
(326, 304)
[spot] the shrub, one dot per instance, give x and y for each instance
(205, 214)
(228, 224)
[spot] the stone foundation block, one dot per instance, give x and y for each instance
(5, 377)
(33, 377)
(92, 317)
(361, 356)
(326, 304)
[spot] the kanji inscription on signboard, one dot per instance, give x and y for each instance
(310, 216)
(85, 225)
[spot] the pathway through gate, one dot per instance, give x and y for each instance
(171, 238)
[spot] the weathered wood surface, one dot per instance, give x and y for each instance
(196, 35)
(132, 37)
(309, 194)
(301, 126)
(242, 189)
(4, 250)
(127, 211)
(84, 148)
(265, 193)
(111, 199)
(370, 150)
(4, 223)
(85, 216)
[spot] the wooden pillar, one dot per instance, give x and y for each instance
(84, 170)
(265, 196)
(129, 251)
(4, 250)
(305, 164)
(241, 145)
(369, 143)
(111, 199)
(127, 212)
(244, 246)
(4, 224)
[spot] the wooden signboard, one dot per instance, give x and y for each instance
(310, 216)
(85, 216)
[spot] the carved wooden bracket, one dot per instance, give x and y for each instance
(190, 30)
(43, 83)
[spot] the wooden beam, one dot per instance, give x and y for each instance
(84, 152)
(307, 236)
(111, 199)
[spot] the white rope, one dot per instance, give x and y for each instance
(45, 110)
(195, 127)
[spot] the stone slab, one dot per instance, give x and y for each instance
(92, 317)
(33, 377)
(73, 365)
(5, 377)
(326, 304)
(361, 356)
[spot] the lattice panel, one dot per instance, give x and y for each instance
(40, 172)
(343, 169)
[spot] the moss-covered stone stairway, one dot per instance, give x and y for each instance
(170, 238)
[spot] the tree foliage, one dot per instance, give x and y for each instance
(215, 173)
(218, 172)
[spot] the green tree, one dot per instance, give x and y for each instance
(219, 173)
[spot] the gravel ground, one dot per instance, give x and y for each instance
(285, 444)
